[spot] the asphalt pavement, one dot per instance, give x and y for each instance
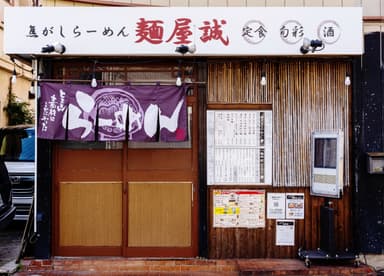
(10, 244)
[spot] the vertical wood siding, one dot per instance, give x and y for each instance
(309, 96)
(305, 95)
(238, 83)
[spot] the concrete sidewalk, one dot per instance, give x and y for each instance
(132, 266)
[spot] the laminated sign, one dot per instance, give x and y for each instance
(239, 208)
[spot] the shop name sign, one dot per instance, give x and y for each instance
(161, 31)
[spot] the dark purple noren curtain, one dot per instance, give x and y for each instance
(112, 113)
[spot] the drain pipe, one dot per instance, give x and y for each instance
(34, 78)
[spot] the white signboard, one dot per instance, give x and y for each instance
(215, 31)
(239, 208)
(239, 147)
(285, 232)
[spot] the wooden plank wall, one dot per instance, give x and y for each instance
(260, 242)
(309, 96)
(305, 95)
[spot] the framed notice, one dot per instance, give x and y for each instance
(239, 147)
(239, 208)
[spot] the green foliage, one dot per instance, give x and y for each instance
(18, 112)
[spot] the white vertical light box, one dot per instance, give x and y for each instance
(327, 163)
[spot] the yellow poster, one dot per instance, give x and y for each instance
(239, 208)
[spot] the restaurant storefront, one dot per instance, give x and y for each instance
(184, 132)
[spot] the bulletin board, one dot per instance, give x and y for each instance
(239, 147)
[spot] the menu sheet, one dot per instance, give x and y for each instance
(239, 147)
(285, 232)
(239, 208)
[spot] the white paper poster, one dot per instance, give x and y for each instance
(239, 147)
(294, 205)
(285, 232)
(276, 206)
(239, 208)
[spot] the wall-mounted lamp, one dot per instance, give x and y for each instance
(55, 47)
(263, 80)
(94, 81)
(347, 80)
(14, 74)
(31, 91)
(178, 78)
(183, 49)
(311, 45)
(13, 78)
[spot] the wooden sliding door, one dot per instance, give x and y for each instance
(127, 198)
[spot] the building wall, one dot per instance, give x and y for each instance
(24, 76)
(371, 7)
(369, 137)
(373, 11)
